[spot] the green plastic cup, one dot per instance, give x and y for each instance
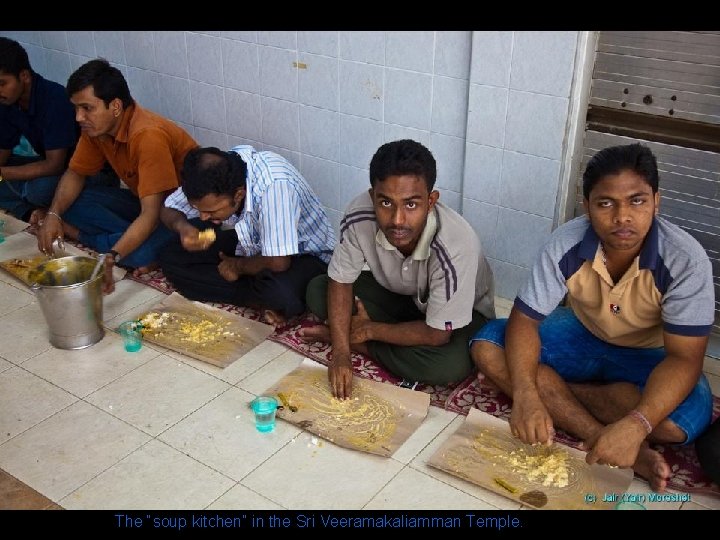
(132, 336)
(264, 408)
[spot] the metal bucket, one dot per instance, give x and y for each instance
(71, 303)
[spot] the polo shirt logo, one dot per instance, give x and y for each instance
(614, 309)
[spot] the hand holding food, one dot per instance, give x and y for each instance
(207, 237)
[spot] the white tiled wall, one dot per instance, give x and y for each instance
(491, 106)
(520, 85)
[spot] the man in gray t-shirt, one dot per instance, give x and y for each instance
(429, 286)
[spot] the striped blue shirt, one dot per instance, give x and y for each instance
(282, 216)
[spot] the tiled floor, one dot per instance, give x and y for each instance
(105, 429)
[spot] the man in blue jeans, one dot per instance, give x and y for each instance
(144, 149)
(622, 365)
(40, 111)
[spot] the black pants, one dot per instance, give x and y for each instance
(195, 274)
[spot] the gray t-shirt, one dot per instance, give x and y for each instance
(447, 274)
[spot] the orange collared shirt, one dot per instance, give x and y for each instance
(147, 153)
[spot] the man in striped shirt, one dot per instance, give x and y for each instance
(272, 234)
(429, 287)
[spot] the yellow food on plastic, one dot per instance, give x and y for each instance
(550, 469)
(187, 329)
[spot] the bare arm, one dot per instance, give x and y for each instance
(5, 154)
(173, 219)
(522, 345)
(530, 419)
(138, 231)
(340, 301)
(143, 225)
(405, 333)
(668, 385)
(53, 164)
(69, 187)
(674, 378)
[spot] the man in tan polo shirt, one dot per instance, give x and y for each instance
(622, 364)
(144, 149)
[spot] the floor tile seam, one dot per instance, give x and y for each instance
(77, 398)
(414, 467)
(155, 435)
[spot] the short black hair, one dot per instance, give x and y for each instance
(615, 159)
(211, 171)
(400, 158)
(107, 82)
(13, 58)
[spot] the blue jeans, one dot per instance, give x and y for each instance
(21, 197)
(578, 356)
(103, 214)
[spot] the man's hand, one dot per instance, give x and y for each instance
(530, 420)
(228, 267)
(50, 230)
(616, 444)
(340, 375)
(360, 324)
(191, 240)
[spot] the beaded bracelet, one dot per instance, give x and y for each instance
(640, 417)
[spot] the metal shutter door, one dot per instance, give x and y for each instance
(663, 89)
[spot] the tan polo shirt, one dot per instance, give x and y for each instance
(668, 287)
(447, 274)
(147, 153)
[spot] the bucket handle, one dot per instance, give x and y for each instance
(98, 265)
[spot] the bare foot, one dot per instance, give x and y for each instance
(70, 231)
(312, 334)
(145, 269)
(653, 467)
(486, 381)
(273, 317)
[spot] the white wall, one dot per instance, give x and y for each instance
(491, 106)
(520, 84)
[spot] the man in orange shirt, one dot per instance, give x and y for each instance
(144, 149)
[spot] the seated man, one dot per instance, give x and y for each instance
(623, 363)
(144, 149)
(429, 287)
(39, 110)
(273, 235)
(708, 451)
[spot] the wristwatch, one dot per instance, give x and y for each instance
(114, 255)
